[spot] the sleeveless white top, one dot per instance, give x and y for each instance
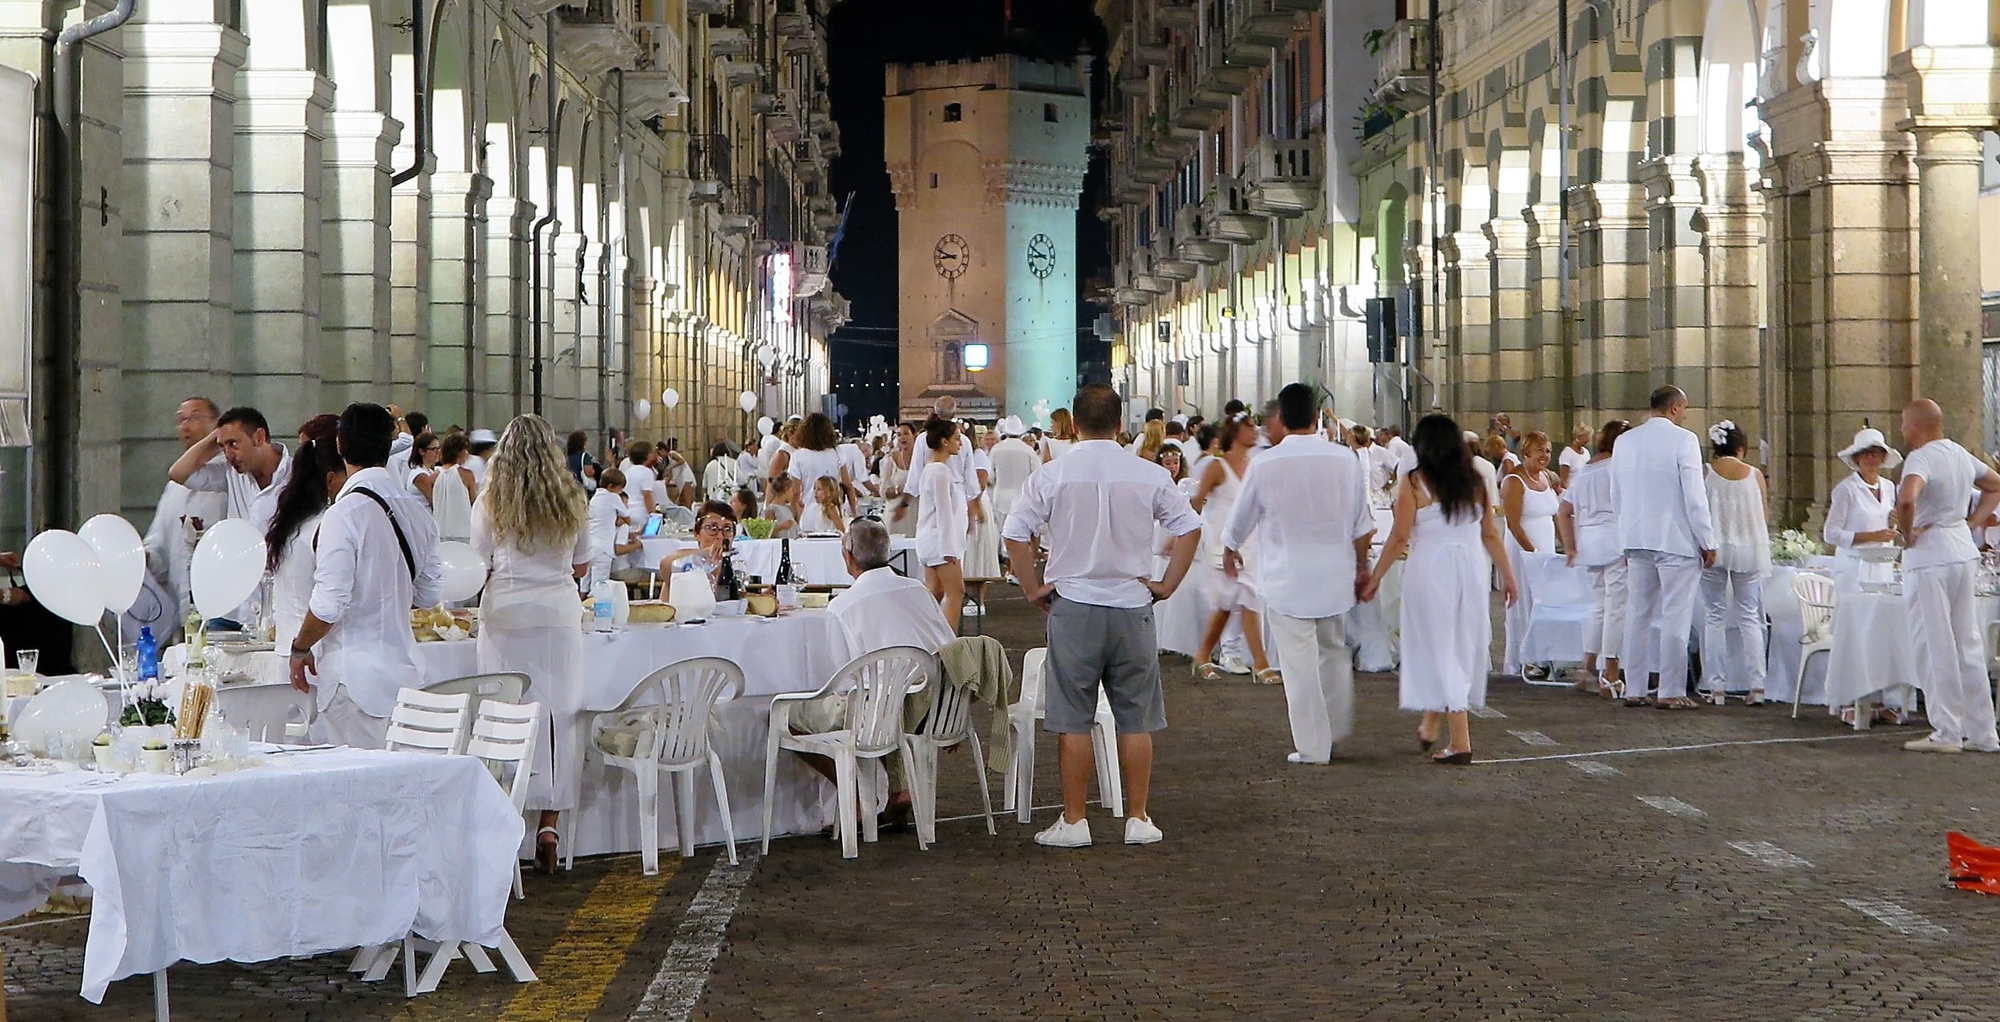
(1215, 514)
(451, 505)
(1736, 507)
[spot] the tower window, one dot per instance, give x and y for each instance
(953, 112)
(933, 180)
(1049, 112)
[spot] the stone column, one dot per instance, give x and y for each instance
(1548, 371)
(505, 390)
(1676, 307)
(354, 306)
(562, 353)
(1954, 97)
(1731, 224)
(457, 240)
(1614, 365)
(1511, 373)
(179, 285)
(402, 378)
(647, 379)
(1468, 323)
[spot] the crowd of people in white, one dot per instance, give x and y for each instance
(1276, 519)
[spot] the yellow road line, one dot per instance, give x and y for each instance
(580, 965)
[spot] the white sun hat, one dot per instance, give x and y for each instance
(1866, 440)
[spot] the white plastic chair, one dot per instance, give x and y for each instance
(503, 737)
(428, 722)
(503, 686)
(949, 724)
(1019, 786)
(678, 702)
(1816, 596)
(872, 688)
(1562, 602)
(267, 713)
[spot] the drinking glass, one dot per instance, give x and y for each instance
(28, 659)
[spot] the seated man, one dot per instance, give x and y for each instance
(881, 609)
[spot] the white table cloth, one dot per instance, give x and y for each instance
(1871, 644)
(313, 853)
(790, 653)
(816, 560)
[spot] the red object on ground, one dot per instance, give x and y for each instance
(1973, 867)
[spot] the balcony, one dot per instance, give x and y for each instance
(735, 224)
(782, 122)
(1229, 215)
(1194, 241)
(1254, 28)
(739, 72)
(1154, 167)
(602, 36)
(728, 42)
(703, 192)
(1130, 190)
(708, 158)
(1284, 176)
(1176, 14)
(1403, 66)
(701, 8)
(1156, 54)
(1218, 81)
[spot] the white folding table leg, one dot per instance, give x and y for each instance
(434, 969)
(517, 963)
(481, 962)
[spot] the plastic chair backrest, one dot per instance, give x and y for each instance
(875, 685)
(505, 687)
(1034, 668)
(951, 714)
(674, 514)
(262, 711)
(426, 722)
(504, 735)
(1816, 596)
(1556, 584)
(688, 691)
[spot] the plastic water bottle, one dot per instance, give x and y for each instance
(149, 655)
(602, 610)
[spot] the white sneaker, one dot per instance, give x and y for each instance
(1299, 758)
(1230, 664)
(1141, 832)
(972, 610)
(1064, 834)
(1931, 745)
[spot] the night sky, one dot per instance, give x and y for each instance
(863, 37)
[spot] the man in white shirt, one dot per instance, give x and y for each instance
(1939, 481)
(1306, 500)
(881, 609)
(1664, 526)
(183, 513)
(408, 428)
(854, 461)
(1013, 462)
(376, 559)
(639, 478)
(1574, 456)
(483, 441)
(749, 469)
(676, 478)
(252, 471)
(1097, 506)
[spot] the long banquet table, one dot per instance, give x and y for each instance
(313, 852)
(815, 560)
(790, 653)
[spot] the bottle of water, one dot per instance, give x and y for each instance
(601, 608)
(149, 656)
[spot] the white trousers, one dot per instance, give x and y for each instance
(1604, 630)
(344, 723)
(1732, 601)
(1660, 589)
(1319, 682)
(1950, 654)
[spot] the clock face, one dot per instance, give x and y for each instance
(951, 256)
(1041, 256)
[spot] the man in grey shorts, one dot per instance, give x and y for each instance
(1097, 505)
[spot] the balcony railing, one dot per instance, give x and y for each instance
(708, 157)
(1404, 66)
(1284, 176)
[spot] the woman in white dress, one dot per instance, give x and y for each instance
(533, 529)
(900, 470)
(1060, 437)
(450, 489)
(941, 518)
(1443, 520)
(1588, 523)
(982, 546)
(1732, 589)
(1215, 499)
(317, 474)
(815, 452)
(1530, 502)
(718, 477)
(1859, 513)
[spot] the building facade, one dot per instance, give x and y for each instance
(1765, 202)
(987, 159)
(474, 208)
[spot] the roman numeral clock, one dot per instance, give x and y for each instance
(952, 257)
(1041, 256)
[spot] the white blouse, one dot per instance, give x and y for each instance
(942, 517)
(1858, 507)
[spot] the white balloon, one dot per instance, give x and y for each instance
(464, 571)
(121, 557)
(642, 408)
(228, 564)
(765, 425)
(62, 572)
(670, 398)
(746, 401)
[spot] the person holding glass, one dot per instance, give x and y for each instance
(1858, 514)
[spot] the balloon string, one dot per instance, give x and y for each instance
(117, 666)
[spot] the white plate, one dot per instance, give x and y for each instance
(65, 708)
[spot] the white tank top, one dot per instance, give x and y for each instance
(451, 505)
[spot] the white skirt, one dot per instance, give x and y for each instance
(1447, 635)
(982, 546)
(552, 658)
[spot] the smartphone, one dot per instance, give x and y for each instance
(653, 523)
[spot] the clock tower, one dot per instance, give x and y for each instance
(986, 158)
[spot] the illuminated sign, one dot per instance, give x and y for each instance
(976, 357)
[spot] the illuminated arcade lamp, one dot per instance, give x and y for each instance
(975, 356)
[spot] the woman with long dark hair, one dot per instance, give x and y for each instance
(1444, 520)
(317, 474)
(941, 518)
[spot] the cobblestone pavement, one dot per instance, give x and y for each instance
(1798, 878)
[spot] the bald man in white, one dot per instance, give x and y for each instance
(1939, 482)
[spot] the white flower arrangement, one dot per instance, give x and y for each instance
(147, 704)
(1794, 546)
(1718, 434)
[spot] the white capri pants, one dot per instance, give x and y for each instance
(1604, 630)
(1732, 601)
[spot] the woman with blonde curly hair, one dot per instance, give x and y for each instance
(532, 527)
